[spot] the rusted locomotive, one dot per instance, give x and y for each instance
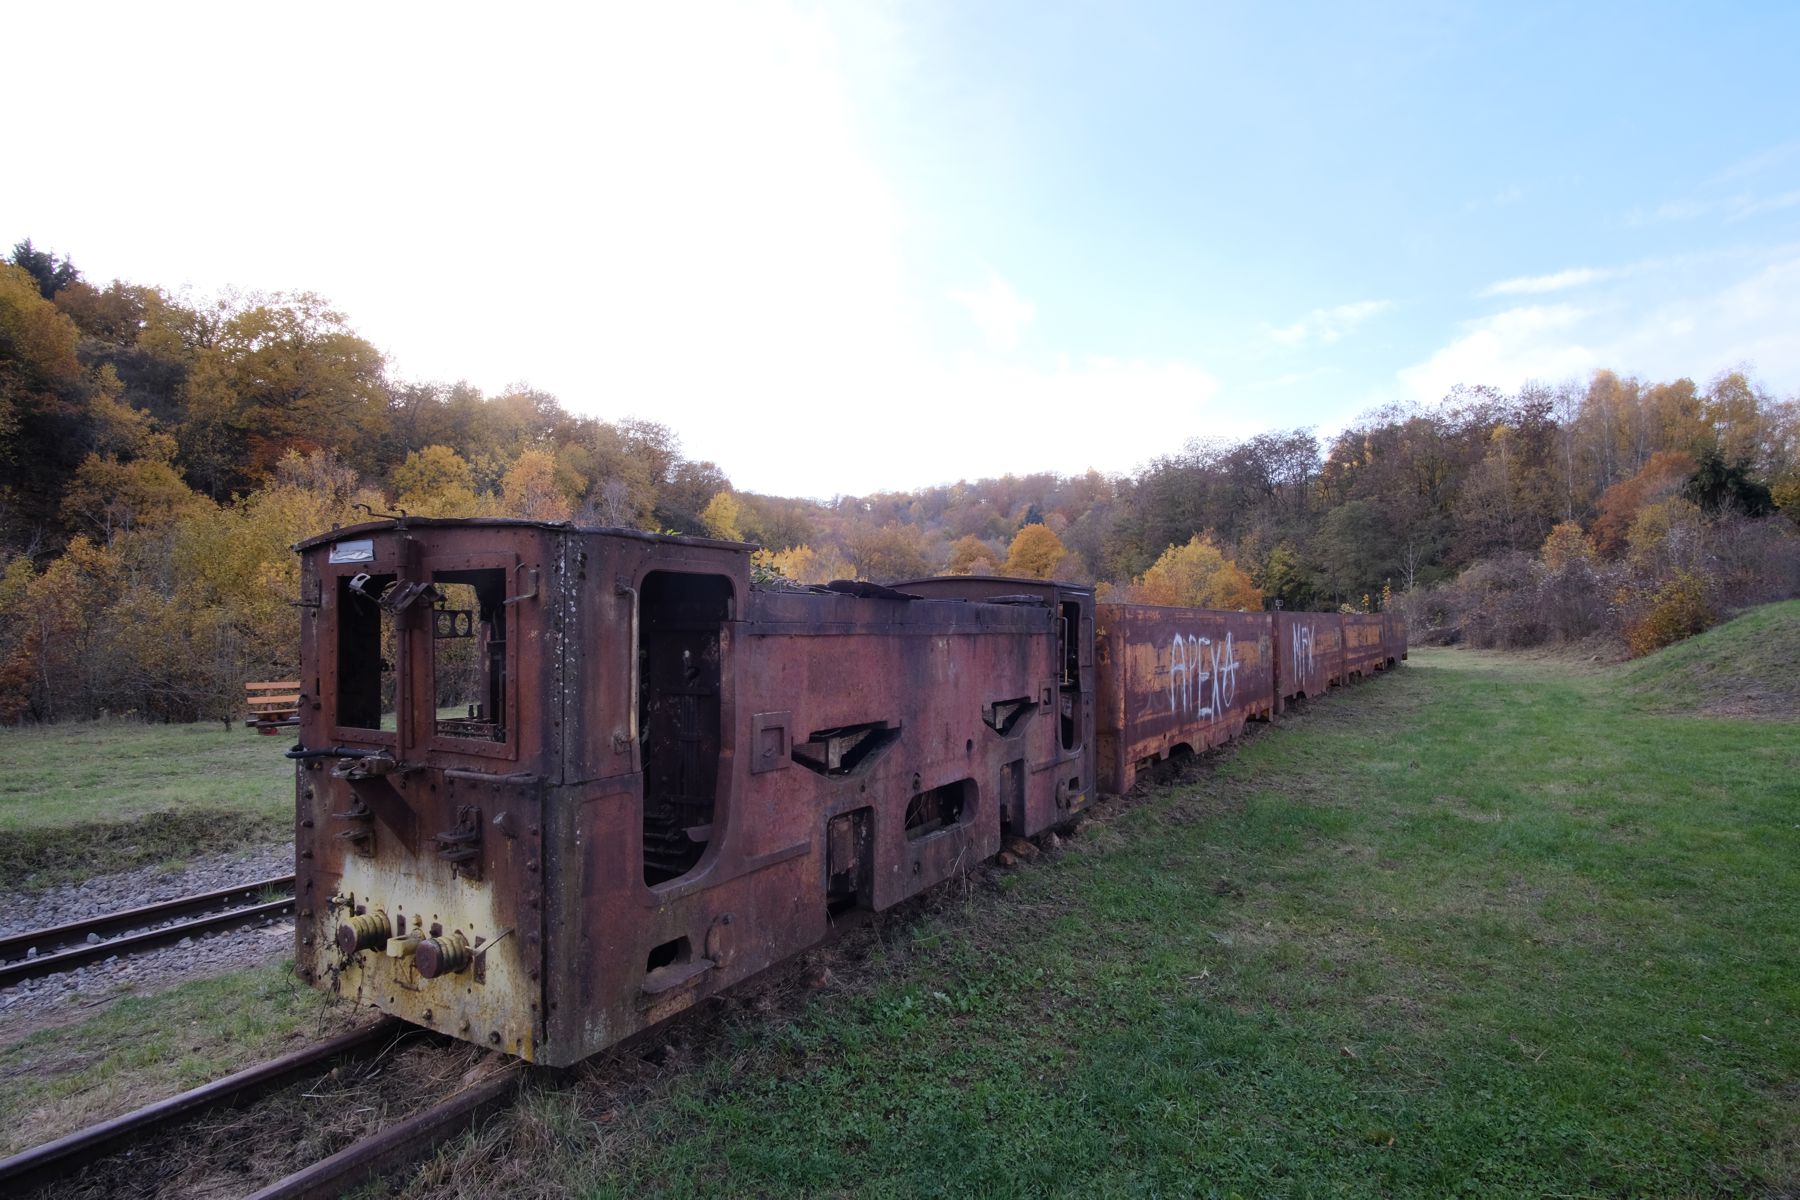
(556, 784)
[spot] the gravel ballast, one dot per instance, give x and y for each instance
(24, 1004)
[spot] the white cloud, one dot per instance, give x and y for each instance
(998, 311)
(1531, 285)
(1327, 325)
(1743, 207)
(986, 415)
(1505, 350)
(1680, 317)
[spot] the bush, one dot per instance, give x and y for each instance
(1678, 609)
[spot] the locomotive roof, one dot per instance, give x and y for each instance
(388, 523)
(1023, 581)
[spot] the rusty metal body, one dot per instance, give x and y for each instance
(555, 785)
(1176, 681)
(664, 783)
(1309, 655)
(1064, 746)
(1393, 637)
(1365, 650)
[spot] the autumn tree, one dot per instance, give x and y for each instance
(894, 551)
(1036, 553)
(969, 555)
(436, 482)
(529, 488)
(723, 517)
(280, 373)
(1196, 575)
(1662, 476)
(805, 564)
(1566, 544)
(41, 395)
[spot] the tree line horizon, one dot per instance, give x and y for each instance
(160, 456)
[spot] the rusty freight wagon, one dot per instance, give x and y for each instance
(1175, 681)
(1364, 650)
(1309, 655)
(557, 784)
(1393, 637)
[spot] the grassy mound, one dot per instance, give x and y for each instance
(1747, 667)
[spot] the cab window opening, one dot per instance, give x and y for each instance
(679, 700)
(468, 654)
(1070, 704)
(367, 687)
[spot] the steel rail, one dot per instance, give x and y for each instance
(14, 945)
(67, 1155)
(84, 953)
(399, 1144)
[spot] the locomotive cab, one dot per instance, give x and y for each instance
(557, 784)
(419, 785)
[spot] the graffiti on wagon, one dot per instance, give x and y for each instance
(1302, 646)
(1202, 675)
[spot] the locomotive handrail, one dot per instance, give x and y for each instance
(631, 706)
(531, 595)
(299, 753)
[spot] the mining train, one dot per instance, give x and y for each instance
(555, 785)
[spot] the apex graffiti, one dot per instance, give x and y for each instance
(1202, 675)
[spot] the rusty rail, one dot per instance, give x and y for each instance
(399, 1144)
(77, 952)
(67, 1155)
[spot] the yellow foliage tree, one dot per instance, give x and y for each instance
(437, 482)
(969, 555)
(804, 564)
(1036, 553)
(723, 517)
(529, 488)
(1197, 575)
(1663, 537)
(1566, 544)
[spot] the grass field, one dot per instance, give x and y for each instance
(106, 795)
(1485, 927)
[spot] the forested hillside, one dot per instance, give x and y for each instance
(160, 455)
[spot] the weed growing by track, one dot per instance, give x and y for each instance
(1482, 927)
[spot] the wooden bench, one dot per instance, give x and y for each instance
(273, 706)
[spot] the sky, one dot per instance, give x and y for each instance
(842, 248)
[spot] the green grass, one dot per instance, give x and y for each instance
(1749, 666)
(143, 1048)
(112, 794)
(1482, 927)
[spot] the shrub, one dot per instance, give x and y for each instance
(1678, 609)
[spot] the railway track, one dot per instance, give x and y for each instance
(58, 1163)
(63, 947)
